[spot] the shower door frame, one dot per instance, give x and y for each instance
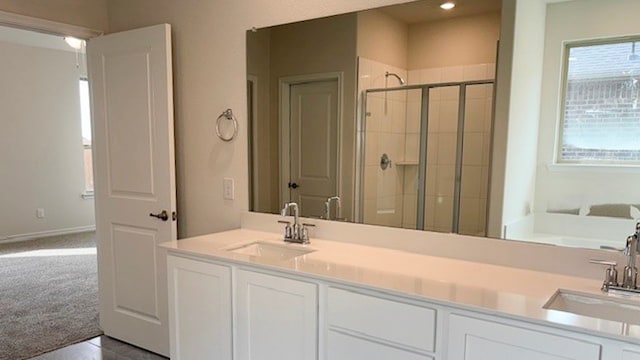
(422, 158)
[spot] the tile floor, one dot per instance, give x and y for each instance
(100, 348)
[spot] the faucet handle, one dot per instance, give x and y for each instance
(603, 262)
(609, 247)
(611, 274)
(627, 247)
(304, 232)
(288, 231)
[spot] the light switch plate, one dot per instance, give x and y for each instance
(227, 189)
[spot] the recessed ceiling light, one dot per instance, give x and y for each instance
(448, 5)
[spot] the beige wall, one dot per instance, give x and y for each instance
(86, 13)
(382, 38)
(209, 76)
(458, 41)
(41, 148)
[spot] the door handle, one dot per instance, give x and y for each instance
(164, 215)
(293, 185)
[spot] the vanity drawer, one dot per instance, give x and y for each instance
(391, 321)
(470, 338)
(352, 347)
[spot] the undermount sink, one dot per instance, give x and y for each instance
(271, 250)
(608, 307)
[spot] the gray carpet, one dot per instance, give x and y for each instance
(48, 298)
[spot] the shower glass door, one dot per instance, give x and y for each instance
(440, 158)
(426, 157)
(391, 155)
(474, 163)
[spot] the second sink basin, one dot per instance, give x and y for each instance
(270, 250)
(614, 308)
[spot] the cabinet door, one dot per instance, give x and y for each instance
(199, 309)
(345, 346)
(630, 355)
(277, 318)
(474, 339)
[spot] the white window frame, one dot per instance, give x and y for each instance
(88, 193)
(558, 162)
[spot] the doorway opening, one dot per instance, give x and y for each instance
(48, 255)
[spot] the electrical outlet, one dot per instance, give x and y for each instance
(40, 213)
(227, 188)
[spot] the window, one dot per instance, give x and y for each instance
(85, 115)
(601, 112)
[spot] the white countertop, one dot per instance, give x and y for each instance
(492, 289)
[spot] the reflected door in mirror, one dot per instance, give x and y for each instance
(313, 109)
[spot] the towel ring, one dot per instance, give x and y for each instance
(227, 115)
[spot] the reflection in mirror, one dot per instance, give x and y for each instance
(438, 136)
(308, 85)
(329, 102)
(580, 204)
(304, 129)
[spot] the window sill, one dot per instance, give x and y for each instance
(87, 195)
(593, 168)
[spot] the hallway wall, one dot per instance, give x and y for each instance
(41, 151)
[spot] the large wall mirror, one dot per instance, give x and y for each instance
(386, 117)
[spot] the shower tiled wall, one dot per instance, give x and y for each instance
(385, 124)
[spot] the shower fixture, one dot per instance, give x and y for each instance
(387, 74)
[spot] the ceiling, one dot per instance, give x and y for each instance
(429, 10)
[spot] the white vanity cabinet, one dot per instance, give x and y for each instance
(480, 339)
(361, 326)
(277, 317)
(231, 310)
(199, 309)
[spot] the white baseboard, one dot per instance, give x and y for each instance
(35, 235)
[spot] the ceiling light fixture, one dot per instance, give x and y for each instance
(74, 42)
(448, 5)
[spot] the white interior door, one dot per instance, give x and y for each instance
(314, 144)
(131, 89)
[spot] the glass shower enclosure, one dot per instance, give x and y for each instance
(425, 156)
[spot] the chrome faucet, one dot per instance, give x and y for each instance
(327, 207)
(297, 233)
(629, 277)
